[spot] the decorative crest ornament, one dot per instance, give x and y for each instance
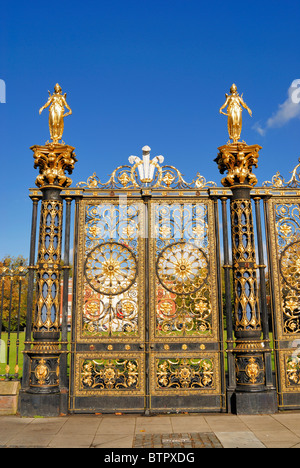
(234, 103)
(278, 180)
(146, 173)
(146, 166)
(57, 103)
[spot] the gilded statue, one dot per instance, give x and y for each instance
(234, 113)
(57, 103)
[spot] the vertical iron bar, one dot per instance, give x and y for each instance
(147, 349)
(30, 292)
(273, 301)
(64, 322)
(2, 300)
(9, 328)
(1, 309)
(263, 296)
(228, 302)
(18, 330)
(220, 302)
(74, 306)
(261, 266)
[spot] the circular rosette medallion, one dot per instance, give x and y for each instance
(182, 268)
(110, 268)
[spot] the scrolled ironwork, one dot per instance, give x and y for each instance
(278, 181)
(157, 177)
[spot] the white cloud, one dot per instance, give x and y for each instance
(258, 127)
(288, 110)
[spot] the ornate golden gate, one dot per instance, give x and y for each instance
(147, 326)
(283, 234)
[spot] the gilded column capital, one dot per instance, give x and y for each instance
(238, 159)
(53, 159)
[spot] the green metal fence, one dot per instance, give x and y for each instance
(13, 305)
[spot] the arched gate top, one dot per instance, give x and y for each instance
(146, 173)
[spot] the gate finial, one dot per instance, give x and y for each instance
(237, 158)
(53, 159)
(234, 103)
(57, 103)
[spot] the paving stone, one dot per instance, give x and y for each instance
(241, 439)
(209, 431)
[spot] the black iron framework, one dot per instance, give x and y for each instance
(147, 334)
(169, 312)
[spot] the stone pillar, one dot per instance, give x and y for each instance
(41, 395)
(251, 395)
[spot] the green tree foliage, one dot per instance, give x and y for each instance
(13, 279)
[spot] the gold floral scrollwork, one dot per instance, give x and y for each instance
(246, 302)
(185, 373)
(293, 370)
(290, 263)
(110, 374)
(48, 275)
(111, 284)
(164, 177)
(291, 305)
(287, 231)
(184, 296)
(278, 181)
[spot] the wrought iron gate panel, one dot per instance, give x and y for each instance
(185, 358)
(147, 320)
(144, 333)
(109, 357)
(283, 216)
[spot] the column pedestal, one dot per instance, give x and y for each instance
(41, 393)
(251, 396)
(254, 403)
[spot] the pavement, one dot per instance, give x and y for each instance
(169, 431)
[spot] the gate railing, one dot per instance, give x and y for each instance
(13, 303)
(261, 197)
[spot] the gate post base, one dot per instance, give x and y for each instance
(41, 404)
(254, 403)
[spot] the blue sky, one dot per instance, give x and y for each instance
(143, 73)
